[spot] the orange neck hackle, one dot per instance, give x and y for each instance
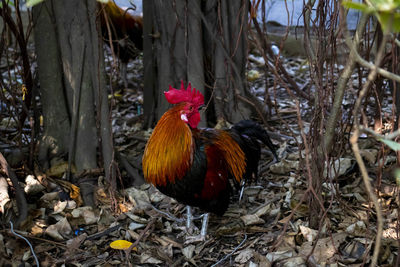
(168, 153)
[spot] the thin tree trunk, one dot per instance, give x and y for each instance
(149, 64)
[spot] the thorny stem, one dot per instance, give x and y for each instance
(379, 136)
(380, 71)
(307, 39)
(342, 84)
(145, 230)
(354, 145)
(230, 254)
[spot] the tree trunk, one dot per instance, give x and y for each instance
(148, 64)
(201, 42)
(56, 120)
(72, 86)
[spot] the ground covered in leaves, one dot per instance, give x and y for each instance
(269, 226)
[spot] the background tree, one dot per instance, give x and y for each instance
(72, 88)
(202, 42)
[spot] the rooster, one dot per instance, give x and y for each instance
(195, 166)
(124, 31)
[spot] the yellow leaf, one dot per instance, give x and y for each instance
(120, 244)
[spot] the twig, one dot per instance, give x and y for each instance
(371, 66)
(169, 216)
(27, 241)
(379, 136)
(145, 230)
(105, 232)
(230, 254)
(341, 86)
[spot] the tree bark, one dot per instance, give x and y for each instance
(149, 64)
(72, 86)
(202, 42)
(56, 121)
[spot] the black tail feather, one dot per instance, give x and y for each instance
(249, 134)
(255, 131)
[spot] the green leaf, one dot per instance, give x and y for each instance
(31, 3)
(389, 21)
(385, 20)
(8, 3)
(357, 6)
(396, 23)
(396, 174)
(392, 144)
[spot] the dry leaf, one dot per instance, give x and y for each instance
(4, 197)
(325, 248)
(147, 258)
(244, 256)
(59, 230)
(188, 251)
(279, 255)
(251, 219)
(308, 233)
(59, 206)
(284, 166)
(33, 186)
(86, 213)
(138, 196)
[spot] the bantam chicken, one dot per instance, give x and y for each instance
(196, 166)
(124, 31)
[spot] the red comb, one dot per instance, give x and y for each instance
(175, 96)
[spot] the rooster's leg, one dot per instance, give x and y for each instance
(242, 184)
(203, 232)
(189, 217)
(204, 226)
